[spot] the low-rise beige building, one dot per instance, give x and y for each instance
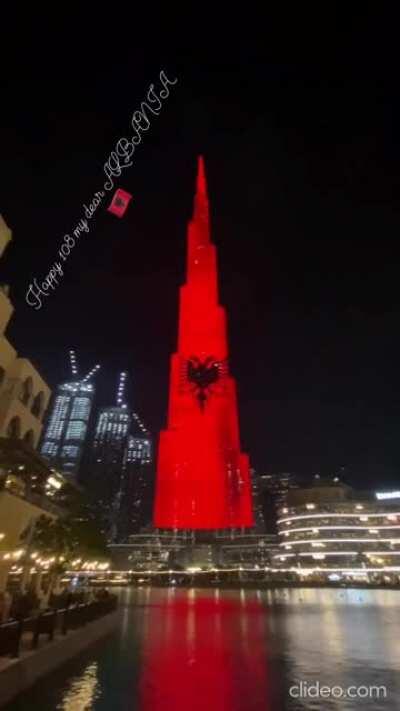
(29, 488)
(24, 395)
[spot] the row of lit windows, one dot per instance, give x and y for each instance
(372, 528)
(81, 408)
(113, 416)
(374, 555)
(390, 515)
(49, 448)
(70, 451)
(61, 415)
(76, 430)
(112, 425)
(379, 525)
(57, 420)
(111, 428)
(138, 450)
(76, 387)
(339, 541)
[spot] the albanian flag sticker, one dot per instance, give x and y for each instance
(120, 202)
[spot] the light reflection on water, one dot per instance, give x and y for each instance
(217, 650)
(82, 691)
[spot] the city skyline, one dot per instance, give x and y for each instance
(304, 216)
(210, 213)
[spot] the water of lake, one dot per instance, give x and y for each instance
(243, 650)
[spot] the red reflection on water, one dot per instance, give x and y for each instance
(205, 653)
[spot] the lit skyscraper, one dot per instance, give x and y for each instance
(65, 433)
(203, 477)
(108, 449)
(259, 521)
(116, 470)
(139, 443)
(275, 489)
(136, 499)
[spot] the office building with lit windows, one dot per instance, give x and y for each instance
(259, 521)
(137, 488)
(274, 490)
(66, 430)
(119, 472)
(138, 449)
(107, 456)
(116, 468)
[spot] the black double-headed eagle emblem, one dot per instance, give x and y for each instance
(202, 375)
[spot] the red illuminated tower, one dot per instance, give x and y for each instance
(203, 479)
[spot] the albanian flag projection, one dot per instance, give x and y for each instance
(203, 479)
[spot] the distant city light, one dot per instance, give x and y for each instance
(52, 481)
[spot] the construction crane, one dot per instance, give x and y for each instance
(75, 369)
(121, 394)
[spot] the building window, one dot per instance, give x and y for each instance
(58, 417)
(29, 438)
(37, 405)
(81, 408)
(76, 430)
(26, 390)
(14, 428)
(70, 452)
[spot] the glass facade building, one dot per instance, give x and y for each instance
(138, 450)
(118, 470)
(107, 453)
(259, 520)
(65, 433)
(137, 481)
(274, 490)
(111, 428)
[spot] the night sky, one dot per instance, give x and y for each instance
(298, 121)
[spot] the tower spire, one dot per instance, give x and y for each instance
(201, 210)
(200, 253)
